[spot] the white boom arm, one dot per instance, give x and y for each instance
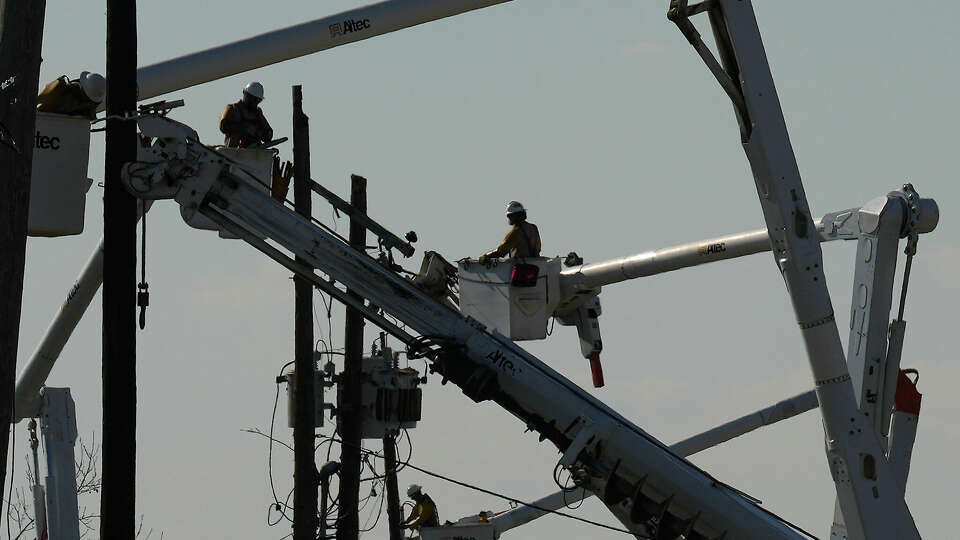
(781, 410)
(526, 513)
(842, 225)
(875, 344)
(296, 41)
(541, 507)
(34, 374)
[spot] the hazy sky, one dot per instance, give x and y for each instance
(602, 120)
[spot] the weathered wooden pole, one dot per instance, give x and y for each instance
(20, 40)
(118, 495)
(305, 522)
(393, 490)
(348, 522)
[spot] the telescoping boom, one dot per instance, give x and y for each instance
(664, 491)
(295, 41)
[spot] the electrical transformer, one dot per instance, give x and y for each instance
(390, 397)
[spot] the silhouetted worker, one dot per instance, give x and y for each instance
(424, 514)
(79, 97)
(523, 238)
(243, 122)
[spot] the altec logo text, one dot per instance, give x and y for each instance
(707, 249)
(348, 26)
(45, 142)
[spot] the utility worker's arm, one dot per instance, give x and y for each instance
(426, 512)
(229, 123)
(510, 242)
(414, 513)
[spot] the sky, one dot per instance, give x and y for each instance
(601, 119)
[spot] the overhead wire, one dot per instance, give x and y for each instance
(383, 496)
(430, 346)
(402, 464)
(520, 502)
(329, 308)
(427, 346)
(273, 489)
(499, 495)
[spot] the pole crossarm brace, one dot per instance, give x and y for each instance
(387, 238)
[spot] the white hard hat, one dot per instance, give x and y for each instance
(255, 89)
(94, 86)
(515, 208)
(413, 489)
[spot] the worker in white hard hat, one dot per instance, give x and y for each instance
(78, 97)
(523, 238)
(243, 123)
(424, 513)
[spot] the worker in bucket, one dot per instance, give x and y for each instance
(243, 123)
(79, 97)
(523, 238)
(424, 513)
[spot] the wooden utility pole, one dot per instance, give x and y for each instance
(305, 522)
(20, 39)
(117, 499)
(393, 491)
(348, 522)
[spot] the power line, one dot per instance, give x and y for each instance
(273, 419)
(406, 463)
(499, 495)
